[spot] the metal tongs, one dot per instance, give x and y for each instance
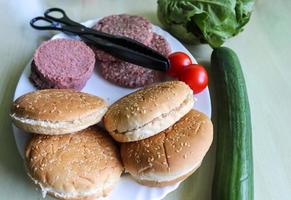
(124, 48)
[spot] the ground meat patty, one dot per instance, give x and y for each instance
(62, 63)
(130, 75)
(160, 44)
(135, 27)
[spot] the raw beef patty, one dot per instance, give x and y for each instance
(62, 63)
(130, 75)
(134, 27)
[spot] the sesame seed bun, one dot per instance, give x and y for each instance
(148, 111)
(173, 154)
(83, 165)
(57, 111)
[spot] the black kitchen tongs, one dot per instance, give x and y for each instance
(124, 48)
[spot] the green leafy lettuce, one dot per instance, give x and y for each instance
(205, 21)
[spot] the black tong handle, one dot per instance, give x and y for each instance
(62, 18)
(124, 48)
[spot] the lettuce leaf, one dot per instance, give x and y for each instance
(205, 21)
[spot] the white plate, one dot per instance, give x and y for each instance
(126, 188)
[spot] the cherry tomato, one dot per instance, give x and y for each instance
(195, 76)
(178, 62)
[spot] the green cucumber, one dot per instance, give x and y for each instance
(233, 176)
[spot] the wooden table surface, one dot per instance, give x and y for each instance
(264, 49)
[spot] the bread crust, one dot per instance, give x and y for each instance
(74, 166)
(172, 153)
(126, 118)
(57, 111)
(166, 183)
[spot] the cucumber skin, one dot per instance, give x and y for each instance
(233, 176)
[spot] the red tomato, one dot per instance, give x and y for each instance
(178, 61)
(195, 76)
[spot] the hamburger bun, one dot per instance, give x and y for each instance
(172, 155)
(148, 111)
(57, 111)
(83, 165)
